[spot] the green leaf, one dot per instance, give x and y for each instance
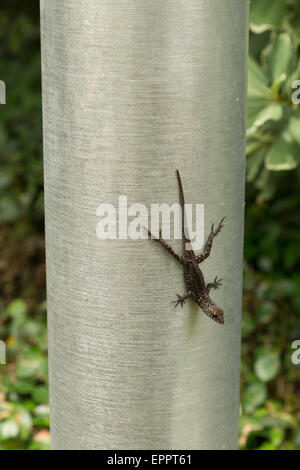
(266, 186)
(40, 445)
(287, 88)
(261, 111)
(33, 365)
(40, 394)
(276, 87)
(9, 429)
(255, 396)
(257, 80)
(267, 366)
(41, 416)
(24, 420)
(252, 146)
(254, 163)
(16, 309)
(294, 127)
(297, 437)
(276, 436)
(283, 155)
(266, 15)
(267, 446)
(23, 387)
(281, 57)
(261, 105)
(42, 410)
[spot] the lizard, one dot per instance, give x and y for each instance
(196, 287)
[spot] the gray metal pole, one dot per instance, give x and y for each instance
(133, 89)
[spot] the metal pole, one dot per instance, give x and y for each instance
(133, 89)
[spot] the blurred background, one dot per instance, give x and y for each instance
(270, 382)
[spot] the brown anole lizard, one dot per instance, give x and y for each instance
(196, 287)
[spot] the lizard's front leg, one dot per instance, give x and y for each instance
(214, 285)
(160, 240)
(208, 244)
(180, 300)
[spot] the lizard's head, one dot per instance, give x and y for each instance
(215, 313)
(218, 316)
(212, 311)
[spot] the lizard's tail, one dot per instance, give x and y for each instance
(185, 239)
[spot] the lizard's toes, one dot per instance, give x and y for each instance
(178, 301)
(221, 225)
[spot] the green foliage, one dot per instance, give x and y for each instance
(270, 403)
(24, 411)
(21, 179)
(273, 121)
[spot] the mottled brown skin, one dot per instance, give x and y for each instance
(197, 289)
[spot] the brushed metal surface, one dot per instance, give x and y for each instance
(133, 89)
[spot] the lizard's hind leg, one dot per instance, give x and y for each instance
(180, 300)
(213, 285)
